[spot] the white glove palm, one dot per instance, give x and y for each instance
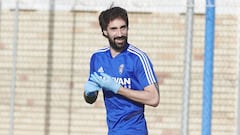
(105, 81)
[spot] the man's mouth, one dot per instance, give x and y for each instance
(120, 39)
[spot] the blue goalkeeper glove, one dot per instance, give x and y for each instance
(105, 81)
(90, 88)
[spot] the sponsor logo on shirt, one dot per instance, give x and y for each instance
(125, 82)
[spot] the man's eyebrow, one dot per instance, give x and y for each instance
(113, 27)
(123, 26)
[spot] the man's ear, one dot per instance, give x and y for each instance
(105, 33)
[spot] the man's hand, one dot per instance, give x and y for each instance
(105, 81)
(91, 88)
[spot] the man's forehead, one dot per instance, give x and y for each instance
(118, 22)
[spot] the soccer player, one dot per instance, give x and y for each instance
(125, 75)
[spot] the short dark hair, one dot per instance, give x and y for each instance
(110, 14)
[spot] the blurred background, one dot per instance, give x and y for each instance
(45, 47)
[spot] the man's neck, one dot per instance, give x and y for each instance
(114, 52)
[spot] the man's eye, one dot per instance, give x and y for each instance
(113, 28)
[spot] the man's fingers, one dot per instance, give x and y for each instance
(105, 75)
(94, 77)
(93, 83)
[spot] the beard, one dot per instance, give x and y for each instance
(118, 46)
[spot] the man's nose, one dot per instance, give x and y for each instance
(119, 32)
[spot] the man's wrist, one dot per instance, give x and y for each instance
(116, 89)
(91, 94)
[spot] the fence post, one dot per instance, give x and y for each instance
(14, 63)
(208, 67)
(187, 65)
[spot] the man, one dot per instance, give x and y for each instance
(125, 75)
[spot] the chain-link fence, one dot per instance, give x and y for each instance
(45, 46)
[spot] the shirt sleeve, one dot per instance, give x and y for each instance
(92, 59)
(144, 71)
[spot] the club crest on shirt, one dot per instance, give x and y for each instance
(120, 70)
